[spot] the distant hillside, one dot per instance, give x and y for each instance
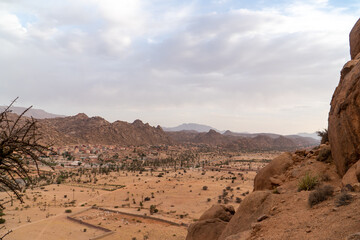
(81, 129)
(312, 135)
(190, 127)
(32, 112)
(243, 142)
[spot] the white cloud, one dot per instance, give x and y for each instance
(240, 69)
(10, 26)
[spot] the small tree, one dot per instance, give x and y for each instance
(19, 143)
(324, 135)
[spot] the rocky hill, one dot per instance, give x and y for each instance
(81, 129)
(250, 142)
(32, 112)
(305, 194)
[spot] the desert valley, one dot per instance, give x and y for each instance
(104, 164)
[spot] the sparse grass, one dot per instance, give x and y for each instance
(343, 199)
(308, 182)
(276, 191)
(320, 194)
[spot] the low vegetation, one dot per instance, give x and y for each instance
(308, 182)
(320, 194)
(343, 199)
(324, 135)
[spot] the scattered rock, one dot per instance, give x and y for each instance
(262, 217)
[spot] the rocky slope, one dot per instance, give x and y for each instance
(277, 210)
(250, 142)
(81, 129)
(307, 194)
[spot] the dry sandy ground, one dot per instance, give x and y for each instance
(178, 196)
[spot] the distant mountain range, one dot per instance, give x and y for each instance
(191, 127)
(81, 129)
(205, 128)
(32, 112)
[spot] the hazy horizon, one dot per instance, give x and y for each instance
(238, 65)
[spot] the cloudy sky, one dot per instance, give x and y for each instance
(255, 66)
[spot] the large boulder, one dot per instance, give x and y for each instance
(352, 176)
(355, 40)
(209, 229)
(255, 205)
(223, 212)
(344, 116)
(211, 223)
(266, 178)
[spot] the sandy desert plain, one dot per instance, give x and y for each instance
(118, 204)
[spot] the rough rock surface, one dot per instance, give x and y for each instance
(344, 116)
(355, 40)
(209, 229)
(223, 212)
(251, 208)
(265, 178)
(352, 175)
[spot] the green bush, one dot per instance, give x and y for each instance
(68, 211)
(153, 209)
(2, 221)
(308, 182)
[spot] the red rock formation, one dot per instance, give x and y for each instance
(355, 40)
(344, 116)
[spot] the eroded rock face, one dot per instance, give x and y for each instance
(352, 176)
(251, 208)
(265, 179)
(211, 223)
(355, 40)
(223, 212)
(344, 118)
(209, 229)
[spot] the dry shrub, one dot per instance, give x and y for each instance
(320, 194)
(343, 199)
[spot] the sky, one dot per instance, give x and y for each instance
(246, 66)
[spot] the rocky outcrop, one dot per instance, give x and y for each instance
(344, 116)
(352, 176)
(267, 176)
(251, 208)
(209, 229)
(355, 40)
(223, 212)
(81, 129)
(211, 223)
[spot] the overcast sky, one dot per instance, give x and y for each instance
(255, 66)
